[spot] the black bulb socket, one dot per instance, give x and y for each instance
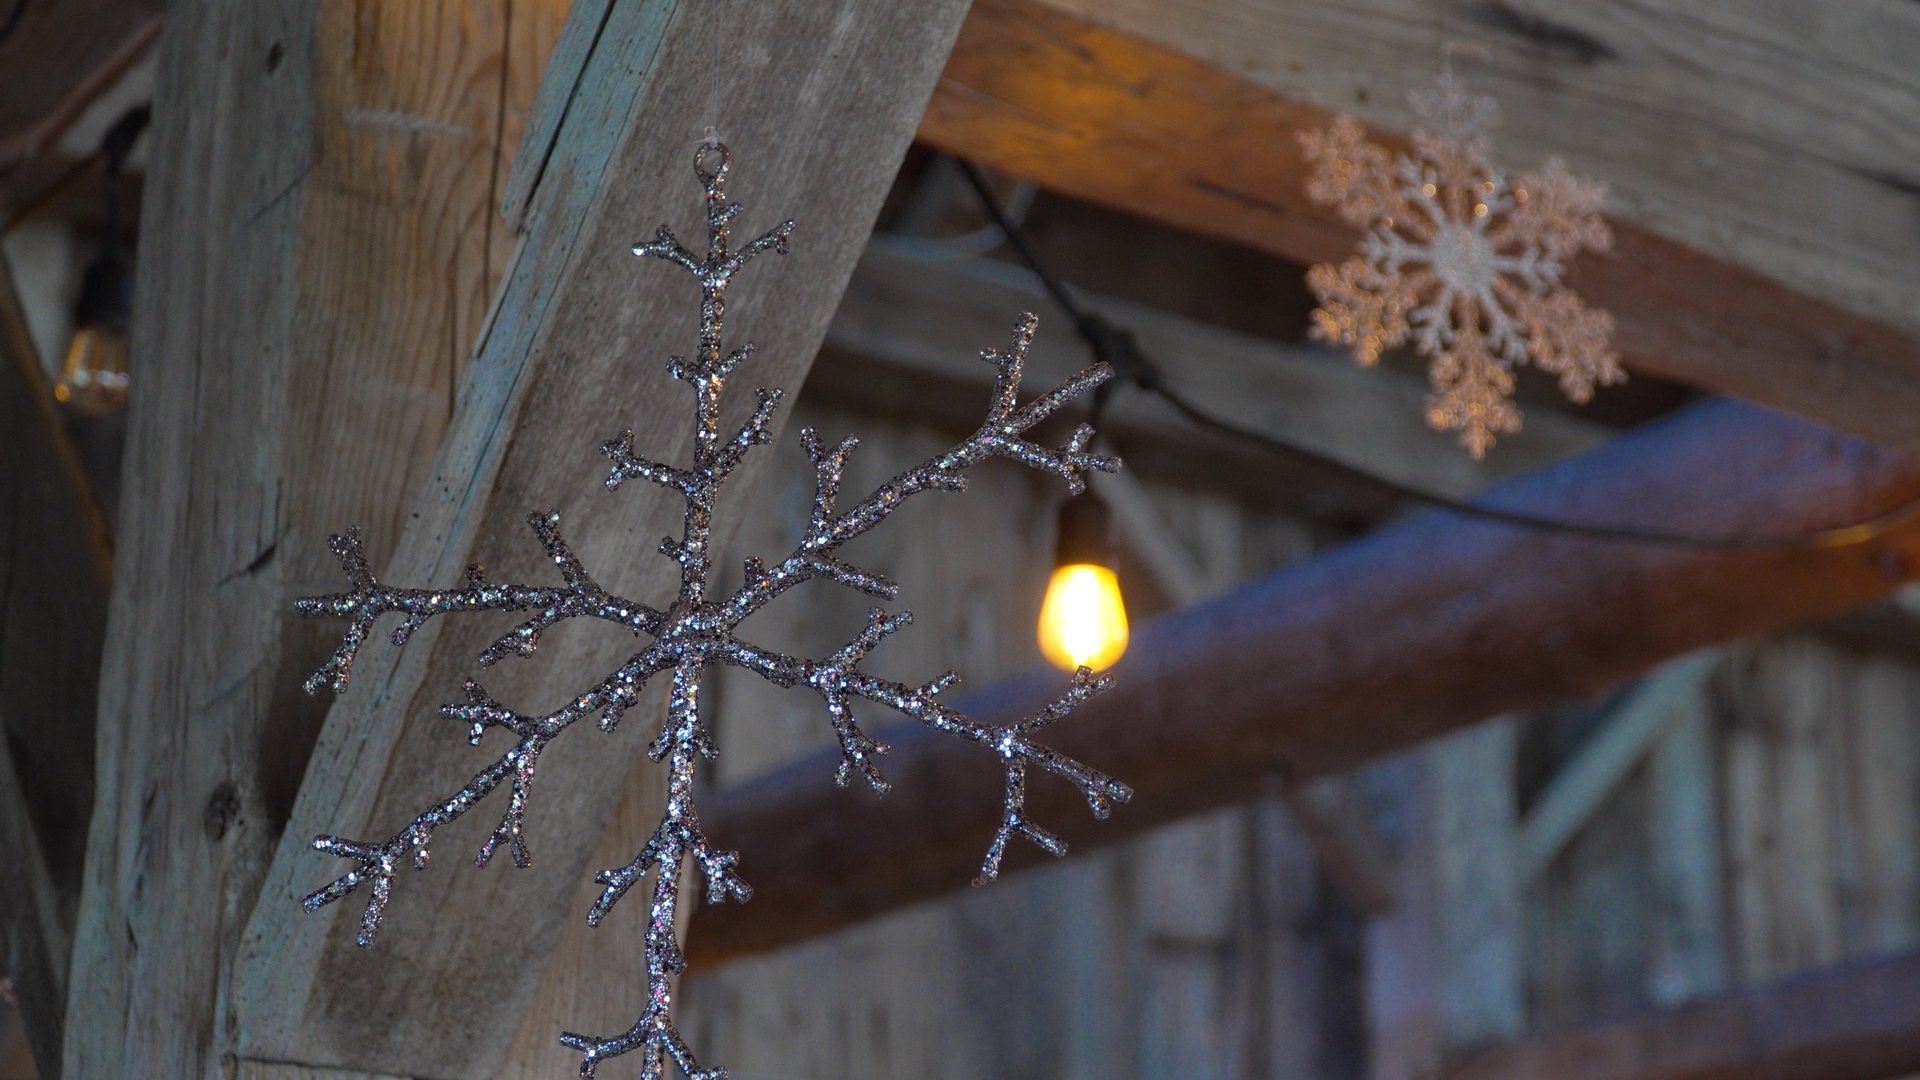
(1086, 533)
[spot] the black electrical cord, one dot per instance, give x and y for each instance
(1117, 347)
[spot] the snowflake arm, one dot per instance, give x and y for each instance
(369, 600)
(999, 436)
(1015, 749)
(839, 682)
(379, 860)
(1352, 174)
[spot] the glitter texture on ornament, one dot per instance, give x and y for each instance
(1462, 260)
(697, 629)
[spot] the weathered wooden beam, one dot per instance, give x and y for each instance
(1699, 121)
(818, 103)
(908, 325)
(1857, 1022)
(1410, 632)
(1122, 120)
(315, 261)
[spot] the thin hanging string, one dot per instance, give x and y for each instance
(1118, 348)
(715, 104)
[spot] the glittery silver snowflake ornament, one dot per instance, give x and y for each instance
(697, 630)
(1461, 260)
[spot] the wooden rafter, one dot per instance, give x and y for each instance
(1413, 631)
(1122, 120)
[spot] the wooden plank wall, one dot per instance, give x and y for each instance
(1771, 831)
(1819, 794)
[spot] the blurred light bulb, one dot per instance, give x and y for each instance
(1083, 622)
(93, 376)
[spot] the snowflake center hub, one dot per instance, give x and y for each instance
(1463, 259)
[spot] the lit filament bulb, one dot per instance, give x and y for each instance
(1083, 621)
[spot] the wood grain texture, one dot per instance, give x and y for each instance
(1129, 122)
(1403, 1017)
(1312, 668)
(281, 1070)
(818, 103)
(1859, 1022)
(1780, 815)
(1817, 799)
(1774, 137)
(595, 980)
(313, 268)
(1770, 833)
(1877, 788)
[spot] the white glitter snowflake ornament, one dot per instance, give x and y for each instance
(1465, 263)
(697, 629)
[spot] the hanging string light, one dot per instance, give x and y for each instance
(93, 377)
(1083, 620)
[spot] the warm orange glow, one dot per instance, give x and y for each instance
(93, 378)
(1083, 622)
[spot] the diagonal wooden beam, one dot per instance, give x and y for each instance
(1413, 631)
(1857, 1022)
(818, 102)
(1130, 123)
(1577, 791)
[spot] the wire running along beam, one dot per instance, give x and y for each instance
(1118, 349)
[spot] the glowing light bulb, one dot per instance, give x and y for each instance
(1083, 622)
(93, 377)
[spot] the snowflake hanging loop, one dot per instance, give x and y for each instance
(696, 631)
(1461, 261)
